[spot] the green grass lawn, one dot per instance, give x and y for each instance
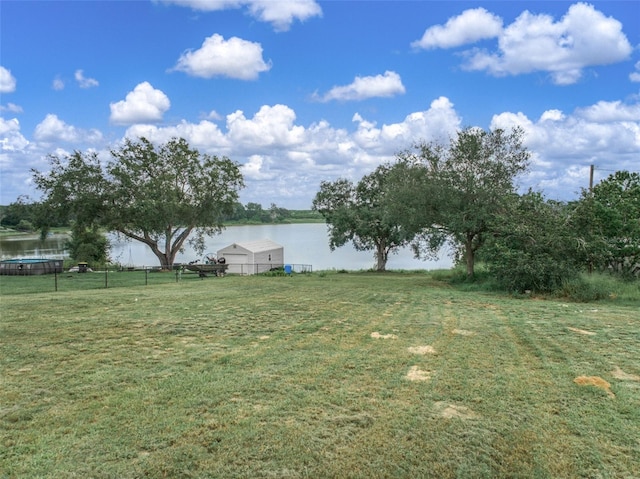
(322, 376)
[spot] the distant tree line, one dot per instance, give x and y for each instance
(254, 213)
(22, 215)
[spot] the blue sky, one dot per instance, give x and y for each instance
(302, 91)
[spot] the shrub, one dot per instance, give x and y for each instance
(24, 226)
(584, 288)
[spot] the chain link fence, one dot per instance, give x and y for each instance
(88, 277)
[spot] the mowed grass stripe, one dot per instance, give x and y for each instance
(281, 377)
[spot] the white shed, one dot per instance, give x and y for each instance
(252, 257)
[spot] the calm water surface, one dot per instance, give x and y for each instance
(303, 244)
(31, 246)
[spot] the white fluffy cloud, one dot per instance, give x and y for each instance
(564, 146)
(437, 123)
(271, 126)
(281, 14)
(610, 111)
(10, 137)
(57, 84)
(53, 129)
(233, 58)
(83, 81)
(583, 37)
(468, 27)
(635, 75)
(284, 161)
(204, 135)
(144, 104)
(254, 168)
(387, 85)
(11, 107)
(7, 81)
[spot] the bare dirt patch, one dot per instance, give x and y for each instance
(620, 374)
(377, 335)
(417, 374)
(463, 332)
(422, 350)
(582, 331)
(450, 411)
(595, 381)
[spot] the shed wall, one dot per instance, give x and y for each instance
(242, 260)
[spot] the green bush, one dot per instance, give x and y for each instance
(518, 271)
(582, 290)
(274, 272)
(24, 226)
(599, 286)
(89, 245)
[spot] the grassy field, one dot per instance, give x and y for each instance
(323, 376)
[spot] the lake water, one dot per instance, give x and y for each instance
(303, 244)
(30, 246)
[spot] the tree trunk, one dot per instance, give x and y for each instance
(165, 260)
(168, 256)
(381, 257)
(470, 254)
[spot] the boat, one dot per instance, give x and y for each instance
(209, 265)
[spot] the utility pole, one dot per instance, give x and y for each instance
(590, 195)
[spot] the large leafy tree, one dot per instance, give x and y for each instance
(75, 193)
(160, 195)
(361, 214)
(453, 192)
(533, 246)
(608, 219)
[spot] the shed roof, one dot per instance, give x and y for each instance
(257, 246)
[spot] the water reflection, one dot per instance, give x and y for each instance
(31, 246)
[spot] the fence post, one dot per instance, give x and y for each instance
(146, 276)
(55, 274)
(106, 277)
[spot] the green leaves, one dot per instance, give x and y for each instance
(159, 195)
(532, 247)
(363, 214)
(454, 192)
(608, 219)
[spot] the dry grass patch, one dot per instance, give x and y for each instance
(377, 335)
(417, 374)
(595, 381)
(620, 374)
(453, 411)
(422, 350)
(582, 331)
(463, 332)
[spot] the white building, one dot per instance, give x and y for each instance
(252, 257)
